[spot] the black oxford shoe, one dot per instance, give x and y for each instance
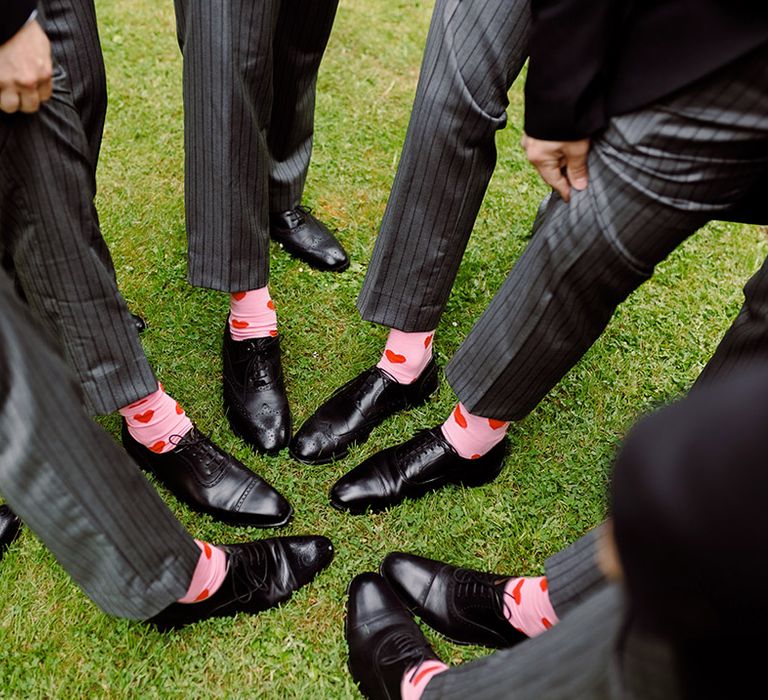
(424, 463)
(260, 575)
(209, 480)
(10, 527)
(308, 239)
(354, 410)
(464, 605)
(384, 642)
(254, 392)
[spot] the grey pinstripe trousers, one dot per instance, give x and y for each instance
(250, 71)
(49, 231)
(656, 176)
(72, 485)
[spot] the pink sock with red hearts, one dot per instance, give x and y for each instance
(527, 606)
(157, 421)
(406, 355)
(415, 679)
(208, 575)
(470, 435)
(252, 314)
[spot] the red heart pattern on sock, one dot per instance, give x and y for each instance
(239, 296)
(427, 341)
(203, 595)
(271, 305)
(207, 550)
(144, 417)
(543, 584)
(239, 324)
(394, 357)
(458, 416)
(546, 623)
(158, 446)
(496, 424)
(273, 334)
(516, 591)
(179, 409)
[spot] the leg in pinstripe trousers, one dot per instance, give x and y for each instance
(583, 260)
(250, 73)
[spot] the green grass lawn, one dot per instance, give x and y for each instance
(54, 642)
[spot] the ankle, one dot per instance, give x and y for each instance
(406, 355)
(156, 420)
(252, 314)
(209, 574)
(470, 435)
(527, 605)
(416, 678)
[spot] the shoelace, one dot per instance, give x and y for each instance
(249, 571)
(197, 443)
(406, 648)
(421, 443)
(258, 369)
(476, 586)
(295, 217)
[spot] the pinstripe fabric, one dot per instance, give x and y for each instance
(586, 656)
(49, 233)
(656, 176)
(74, 487)
(249, 90)
(573, 574)
(474, 52)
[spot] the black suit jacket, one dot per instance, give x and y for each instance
(13, 16)
(594, 59)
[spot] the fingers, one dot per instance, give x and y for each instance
(552, 174)
(29, 100)
(10, 100)
(576, 163)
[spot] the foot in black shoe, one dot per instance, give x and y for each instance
(464, 605)
(209, 480)
(260, 575)
(254, 392)
(423, 464)
(354, 410)
(10, 527)
(308, 239)
(384, 642)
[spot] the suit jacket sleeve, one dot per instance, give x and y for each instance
(14, 16)
(570, 49)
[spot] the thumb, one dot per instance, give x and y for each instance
(576, 165)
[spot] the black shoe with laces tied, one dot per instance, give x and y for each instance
(199, 473)
(260, 575)
(355, 409)
(424, 463)
(464, 605)
(384, 642)
(255, 401)
(306, 237)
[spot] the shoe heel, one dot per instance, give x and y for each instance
(425, 389)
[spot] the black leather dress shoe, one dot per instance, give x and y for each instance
(354, 410)
(308, 239)
(10, 527)
(260, 575)
(209, 480)
(254, 392)
(424, 463)
(139, 322)
(384, 642)
(464, 605)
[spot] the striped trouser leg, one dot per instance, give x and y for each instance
(656, 176)
(49, 232)
(474, 52)
(301, 35)
(228, 48)
(74, 487)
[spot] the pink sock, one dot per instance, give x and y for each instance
(208, 575)
(156, 421)
(527, 605)
(406, 355)
(472, 436)
(415, 679)
(252, 314)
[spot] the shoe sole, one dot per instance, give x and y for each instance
(364, 437)
(469, 482)
(221, 516)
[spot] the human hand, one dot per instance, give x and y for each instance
(26, 70)
(551, 158)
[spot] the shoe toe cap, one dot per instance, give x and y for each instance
(270, 430)
(357, 491)
(307, 555)
(369, 598)
(266, 507)
(410, 576)
(311, 444)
